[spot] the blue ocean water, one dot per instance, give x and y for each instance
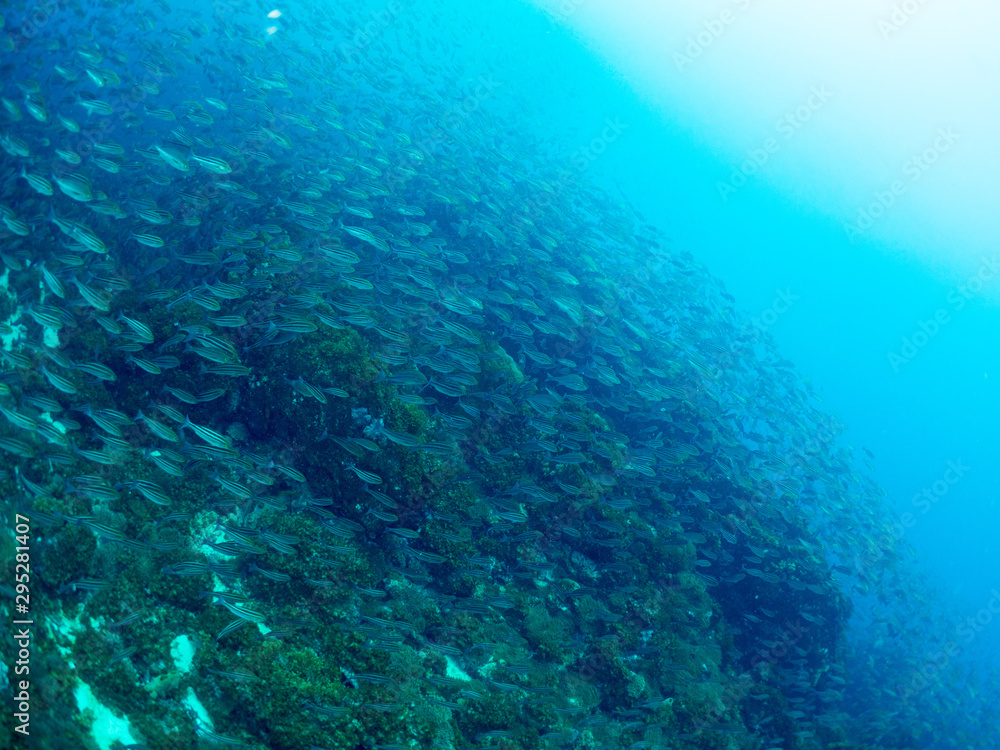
(442, 375)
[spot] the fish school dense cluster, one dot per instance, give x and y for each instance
(347, 417)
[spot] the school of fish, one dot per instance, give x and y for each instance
(312, 356)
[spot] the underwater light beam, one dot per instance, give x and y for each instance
(900, 74)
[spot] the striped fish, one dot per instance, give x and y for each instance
(150, 490)
(159, 429)
(59, 382)
(210, 436)
(365, 476)
(99, 371)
